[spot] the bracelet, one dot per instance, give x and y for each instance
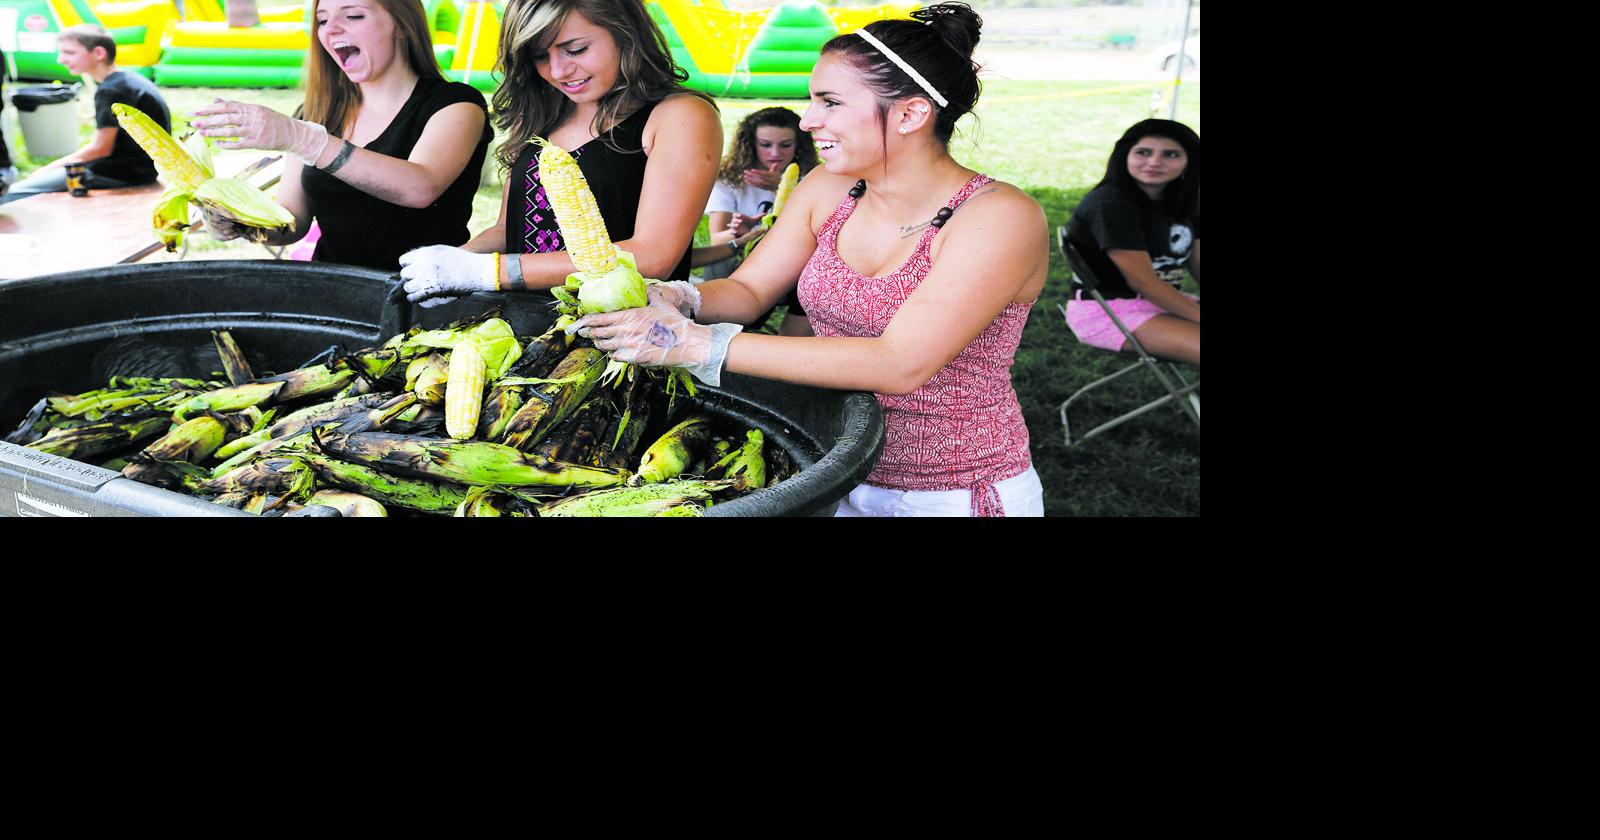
(344, 155)
(514, 272)
(497, 271)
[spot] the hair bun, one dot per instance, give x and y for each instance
(956, 23)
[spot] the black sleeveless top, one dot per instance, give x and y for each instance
(615, 178)
(362, 229)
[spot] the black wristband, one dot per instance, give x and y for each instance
(344, 155)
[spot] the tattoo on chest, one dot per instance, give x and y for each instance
(908, 231)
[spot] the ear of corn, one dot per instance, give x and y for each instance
(583, 229)
(670, 455)
(746, 462)
(431, 377)
(648, 500)
(87, 441)
(188, 171)
(547, 405)
(420, 495)
(463, 461)
(791, 176)
(463, 393)
(175, 164)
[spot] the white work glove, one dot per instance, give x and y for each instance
(434, 271)
(659, 336)
(680, 294)
(258, 127)
(220, 227)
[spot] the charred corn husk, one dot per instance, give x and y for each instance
(231, 398)
(483, 501)
(538, 359)
(416, 494)
(463, 395)
(95, 439)
(685, 509)
(669, 456)
(233, 362)
(577, 438)
(464, 461)
(621, 437)
(175, 164)
(647, 500)
(348, 504)
(747, 461)
(299, 421)
(273, 475)
(193, 441)
(548, 404)
(357, 416)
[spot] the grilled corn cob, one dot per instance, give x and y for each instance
(427, 376)
(746, 462)
(473, 462)
(578, 436)
(648, 500)
(550, 403)
(416, 494)
(463, 394)
(192, 441)
(670, 455)
(103, 437)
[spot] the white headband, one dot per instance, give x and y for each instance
(915, 76)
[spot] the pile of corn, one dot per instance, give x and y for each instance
(468, 420)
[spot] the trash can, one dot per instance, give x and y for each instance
(49, 118)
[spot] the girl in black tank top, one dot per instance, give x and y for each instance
(615, 177)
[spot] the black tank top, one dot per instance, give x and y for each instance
(615, 178)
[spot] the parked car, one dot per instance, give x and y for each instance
(1166, 56)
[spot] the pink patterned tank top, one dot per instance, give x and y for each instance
(963, 429)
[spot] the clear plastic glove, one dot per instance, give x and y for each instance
(436, 274)
(680, 294)
(258, 127)
(220, 227)
(659, 336)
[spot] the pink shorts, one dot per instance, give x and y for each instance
(1093, 327)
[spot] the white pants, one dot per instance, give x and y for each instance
(1020, 495)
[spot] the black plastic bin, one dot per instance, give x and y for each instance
(53, 329)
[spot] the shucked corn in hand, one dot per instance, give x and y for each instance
(190, 178)
(356, 434)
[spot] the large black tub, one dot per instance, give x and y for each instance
(53, 331)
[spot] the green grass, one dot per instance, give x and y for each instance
(1051, 139)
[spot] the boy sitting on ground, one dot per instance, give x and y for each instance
(113, 158)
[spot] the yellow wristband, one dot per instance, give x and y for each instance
(497, 271)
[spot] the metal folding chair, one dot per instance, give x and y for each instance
(1182, 393)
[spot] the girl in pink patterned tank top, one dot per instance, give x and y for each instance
(918, 274)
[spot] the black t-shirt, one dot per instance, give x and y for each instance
(127, 162)
(615, 178)
(1111, 218)
(361, 229)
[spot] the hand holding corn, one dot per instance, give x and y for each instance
(659, 335)
(258, 127)
(221, 227)
(437, 274)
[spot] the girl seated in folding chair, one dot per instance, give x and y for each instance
(1138, 229)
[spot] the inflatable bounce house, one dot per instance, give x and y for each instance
(28, 33)
(764, 53)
